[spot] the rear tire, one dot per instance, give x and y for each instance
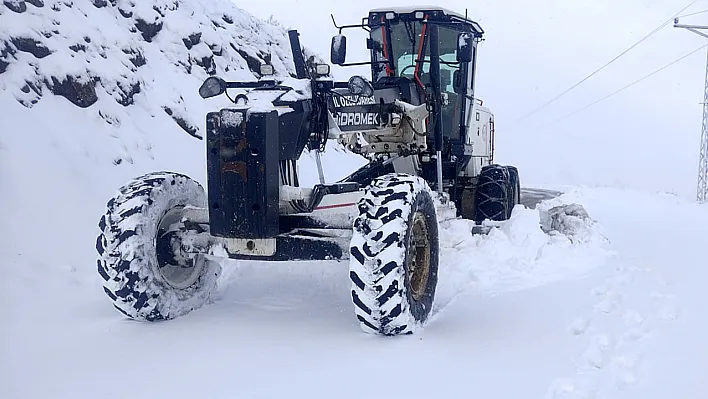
(394, 255)
(143, 274)
(493, 195)
(515, 188)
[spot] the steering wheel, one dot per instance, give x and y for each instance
(403, 71)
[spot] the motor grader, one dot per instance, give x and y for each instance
(429, 142)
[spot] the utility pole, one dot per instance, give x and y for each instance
(702, 189)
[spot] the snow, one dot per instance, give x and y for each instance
(411, 9)
(337, 41)
(613, 311)
(262, 101)
(232, 118)
(463, 41)
(296, 90)
(515, 305)
(110, 42)
(301, 89)
(524, 256)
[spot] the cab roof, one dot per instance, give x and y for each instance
(412, 9)
(440, 11)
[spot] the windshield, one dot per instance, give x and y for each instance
(406, 47)
(405, 44)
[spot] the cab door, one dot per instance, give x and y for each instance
(480, 138)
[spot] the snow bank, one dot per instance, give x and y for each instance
(518, 254)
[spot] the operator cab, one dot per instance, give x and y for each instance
(400, 50)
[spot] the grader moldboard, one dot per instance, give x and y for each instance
(418, 123)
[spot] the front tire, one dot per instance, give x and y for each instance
(394, 255)
(143, 272)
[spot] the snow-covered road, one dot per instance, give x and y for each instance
(518, 315)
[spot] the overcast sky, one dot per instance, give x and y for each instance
(646, 137)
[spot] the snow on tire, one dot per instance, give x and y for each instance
(140, 283)
(394, 255)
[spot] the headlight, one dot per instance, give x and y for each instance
(322, 69)
(267, 70)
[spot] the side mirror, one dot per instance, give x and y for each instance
(212, 86)
(339, 49)
(464, 47)
(359, 86)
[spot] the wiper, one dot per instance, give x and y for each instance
(410, 30)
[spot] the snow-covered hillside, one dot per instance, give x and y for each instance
(150, 54)
(134, 66)
(611, 312)
(90, 100)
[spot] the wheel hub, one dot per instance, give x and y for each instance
(177, 265)
(419, 256)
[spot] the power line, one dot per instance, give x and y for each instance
(607, 64)
(692, 14)
(628, 86)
